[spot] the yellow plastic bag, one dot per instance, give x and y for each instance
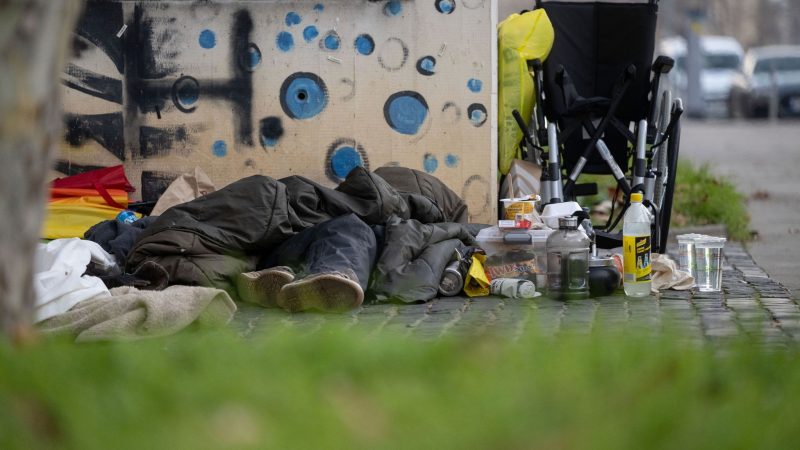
(521, 37)
(476, 283)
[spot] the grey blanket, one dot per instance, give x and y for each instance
(130, 314)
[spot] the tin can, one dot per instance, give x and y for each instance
(127, 217)
(452, 282)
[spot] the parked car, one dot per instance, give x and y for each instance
(768, 71)
(722, 60)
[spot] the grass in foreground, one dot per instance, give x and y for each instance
(335, 390)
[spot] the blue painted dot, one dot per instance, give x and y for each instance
(292, 19)
(405, 112)
(451, 160)
(207, 39)
(393, 8)
(310, 33)
(253, 57)
(365, 44)
(474, 85)
(285, 41)
(319, 7)
(445, 6)
(477, 114)
(332, 41)
(268, 142)
(430, 163)
(187, 92)
(220, 149)
(426, 65)
(303, 96)
(344, 160)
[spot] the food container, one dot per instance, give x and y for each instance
(515, 254)
(523, 208)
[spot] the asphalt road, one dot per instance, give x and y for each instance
(763, 160)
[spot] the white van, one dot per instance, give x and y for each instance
(722, 61)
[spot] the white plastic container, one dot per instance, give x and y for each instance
(553, 211)
(636, 247)
(515, 254)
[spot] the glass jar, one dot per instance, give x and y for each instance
(568, 261)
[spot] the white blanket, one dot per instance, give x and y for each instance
(59, 280)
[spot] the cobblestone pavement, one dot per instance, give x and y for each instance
(751, 304)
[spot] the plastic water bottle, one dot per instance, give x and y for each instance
(127, 217)
(568, 261)
(636, 247)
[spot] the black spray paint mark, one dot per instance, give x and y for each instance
(105, 129)
(148, 93)
(241, 94)
(349, 82)
(92, 83)
(476, 189)
(473, 4)
(144, 95)
(393, 55)
(271, 130)
(158, 40)
(163, 141)
(69, 168)
(79, 45)
(155, 183)
(99, 24)
(451, 112)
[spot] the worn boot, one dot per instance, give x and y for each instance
(262, 287)
(329, 292)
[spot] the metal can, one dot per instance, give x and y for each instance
(127, 217)
(452, 282)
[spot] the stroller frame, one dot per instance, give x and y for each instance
(573, 134)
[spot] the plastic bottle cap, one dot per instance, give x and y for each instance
(636, 197)
(569, 222)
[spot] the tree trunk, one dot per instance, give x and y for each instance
(35, 37)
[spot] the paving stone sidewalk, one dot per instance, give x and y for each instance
(751, 304)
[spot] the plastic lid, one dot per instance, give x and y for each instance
(636, 197)
(710, 241)
(601, 262)
(568, 222)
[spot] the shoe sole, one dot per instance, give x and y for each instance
(327, 293)
(265, 287)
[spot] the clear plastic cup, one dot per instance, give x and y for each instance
(686, 260)
(708, 263)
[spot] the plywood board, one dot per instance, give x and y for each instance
(285, 87)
